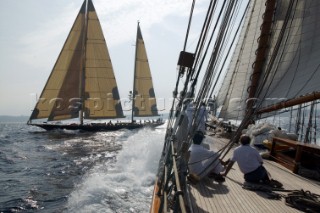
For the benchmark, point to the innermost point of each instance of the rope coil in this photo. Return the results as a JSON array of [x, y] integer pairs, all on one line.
[[304, 201]]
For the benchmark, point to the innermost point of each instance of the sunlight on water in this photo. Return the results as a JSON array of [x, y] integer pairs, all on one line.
[[125, 184]]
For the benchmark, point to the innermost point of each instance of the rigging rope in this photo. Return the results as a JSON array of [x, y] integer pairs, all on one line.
[[218, 49], [229, 50], [189, 24], [302, 125], [308, 136], [225, 29], [283, 38], [228, 80], [315, 124], [192, 74], [290, 120], [298, 119]]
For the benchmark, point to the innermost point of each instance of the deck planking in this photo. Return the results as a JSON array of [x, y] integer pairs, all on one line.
[[229, 197]]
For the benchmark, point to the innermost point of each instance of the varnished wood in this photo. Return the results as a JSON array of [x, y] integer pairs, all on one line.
[[292, 163], [155, 205], [292, 102]]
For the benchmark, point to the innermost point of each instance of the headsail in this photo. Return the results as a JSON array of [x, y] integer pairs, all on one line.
[[82, 80], [233, 92], [144, 99]]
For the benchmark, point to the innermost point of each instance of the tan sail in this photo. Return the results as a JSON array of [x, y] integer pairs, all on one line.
[[82, 78], [102, 98], [144, 99]]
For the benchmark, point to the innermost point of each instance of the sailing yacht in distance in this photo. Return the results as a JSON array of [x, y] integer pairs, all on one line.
[[82, 83], [142, 83]]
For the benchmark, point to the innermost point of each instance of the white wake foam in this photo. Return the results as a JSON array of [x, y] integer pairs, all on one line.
[[124, 185]]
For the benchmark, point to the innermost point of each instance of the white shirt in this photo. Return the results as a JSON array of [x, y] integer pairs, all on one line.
[[247, 157], [200, 158]]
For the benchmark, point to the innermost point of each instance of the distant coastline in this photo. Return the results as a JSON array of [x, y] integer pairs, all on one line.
[[11, 118]]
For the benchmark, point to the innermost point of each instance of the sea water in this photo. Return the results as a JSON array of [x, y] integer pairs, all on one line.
[[72, 171]]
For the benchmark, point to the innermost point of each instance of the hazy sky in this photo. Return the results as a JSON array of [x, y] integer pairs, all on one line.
[[34, 31]]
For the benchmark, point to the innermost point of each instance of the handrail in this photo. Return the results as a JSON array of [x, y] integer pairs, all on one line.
[[179, 191], [293, 162], [165, 202], [169, 191]]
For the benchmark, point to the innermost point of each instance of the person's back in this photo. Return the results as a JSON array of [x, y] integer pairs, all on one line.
[[201, 160], [249, 161], [247, 157]]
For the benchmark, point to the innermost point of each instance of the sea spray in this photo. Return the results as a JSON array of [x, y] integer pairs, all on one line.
[[125, 184]]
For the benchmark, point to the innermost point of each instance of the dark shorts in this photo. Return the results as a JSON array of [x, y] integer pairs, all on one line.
[[257, 176]]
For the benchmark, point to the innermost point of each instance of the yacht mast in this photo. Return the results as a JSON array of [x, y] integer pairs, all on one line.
[[83, 61], [134, 76]]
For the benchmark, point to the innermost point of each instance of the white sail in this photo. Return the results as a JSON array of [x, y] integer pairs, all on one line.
[[292, 67], [233, 92]]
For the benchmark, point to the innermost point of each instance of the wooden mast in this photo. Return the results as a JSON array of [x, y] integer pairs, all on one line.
[[261, 53], [257, 66]]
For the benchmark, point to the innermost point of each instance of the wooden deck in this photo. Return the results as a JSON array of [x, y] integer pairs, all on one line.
[[210, 196]]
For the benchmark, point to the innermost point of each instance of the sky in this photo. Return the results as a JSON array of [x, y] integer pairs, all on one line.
[[34, 31]]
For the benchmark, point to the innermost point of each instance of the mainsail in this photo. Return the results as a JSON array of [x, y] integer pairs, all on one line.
[[82, 82], [289, 64], [292, 67], [144, 100], [284, 65]]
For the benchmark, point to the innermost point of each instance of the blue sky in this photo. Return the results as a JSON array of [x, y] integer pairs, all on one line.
[[34, 31]]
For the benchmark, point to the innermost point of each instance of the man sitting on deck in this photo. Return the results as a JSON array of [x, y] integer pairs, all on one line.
[[249, 161], [203, 162]]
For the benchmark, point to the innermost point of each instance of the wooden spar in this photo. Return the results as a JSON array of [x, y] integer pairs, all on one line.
[[261, 51], [292, 102], [155, 205]]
